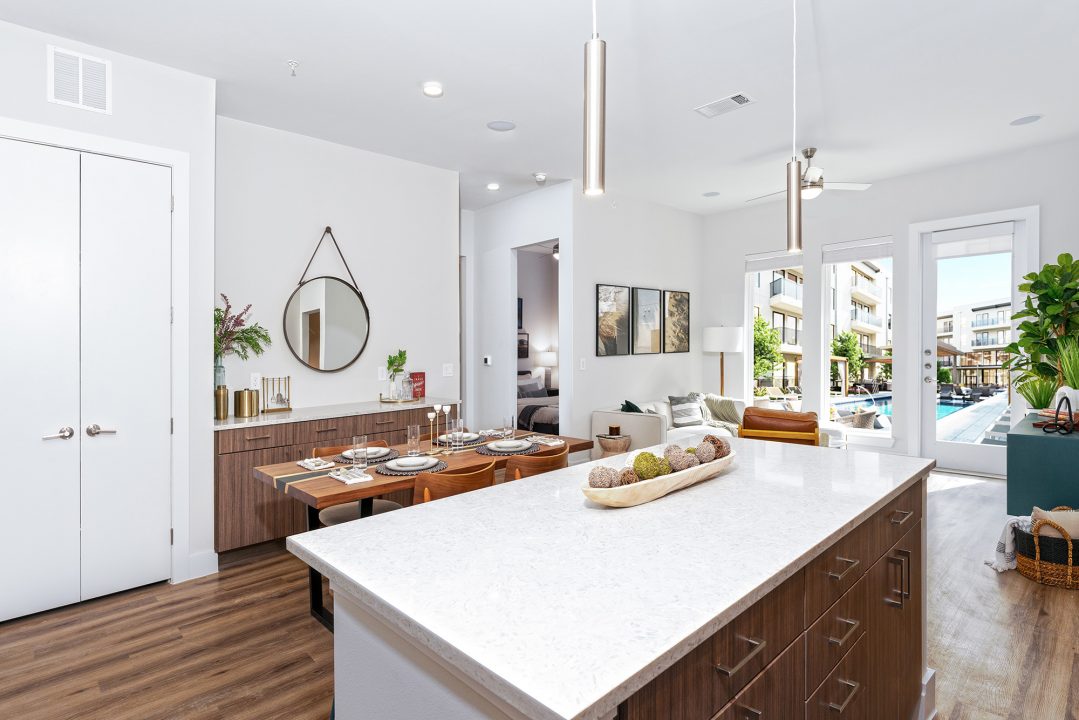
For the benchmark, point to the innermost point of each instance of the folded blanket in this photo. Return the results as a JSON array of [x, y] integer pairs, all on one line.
[[1004, 558], [724, 413]]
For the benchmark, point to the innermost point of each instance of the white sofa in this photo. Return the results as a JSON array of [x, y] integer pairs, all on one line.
[[653, 426]]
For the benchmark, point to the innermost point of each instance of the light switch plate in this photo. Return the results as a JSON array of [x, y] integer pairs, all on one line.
[[382, 374], [582, 363], [447, 369]]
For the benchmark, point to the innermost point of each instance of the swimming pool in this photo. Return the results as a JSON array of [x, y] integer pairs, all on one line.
[[884, 406]]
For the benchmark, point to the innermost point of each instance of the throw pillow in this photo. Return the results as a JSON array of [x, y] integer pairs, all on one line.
[[1067, 519], [685, 410], [706, 414], [723, 409], [627, 406], [542, 392], [529, 384]]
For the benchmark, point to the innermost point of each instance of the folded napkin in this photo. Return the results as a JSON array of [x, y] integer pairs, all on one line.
[[1004, 558], [315, 464], [350, 476], [545, 440]]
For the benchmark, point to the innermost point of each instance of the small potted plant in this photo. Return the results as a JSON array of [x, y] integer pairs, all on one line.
[[232, 335], [395, 365]]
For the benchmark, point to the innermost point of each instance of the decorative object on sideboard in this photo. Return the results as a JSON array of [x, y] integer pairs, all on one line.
[[419, 385], [221, 402], [395, 367], [722, 340], [233, 335], [277, 394], [246, 403], [612, 320], [675, 321], [647, 321], [326, 320]]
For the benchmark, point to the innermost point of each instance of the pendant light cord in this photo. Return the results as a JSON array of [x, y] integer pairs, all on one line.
[[595, 33], [794, 78]]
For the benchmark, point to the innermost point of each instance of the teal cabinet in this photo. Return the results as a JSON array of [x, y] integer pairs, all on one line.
[[1043, 468]]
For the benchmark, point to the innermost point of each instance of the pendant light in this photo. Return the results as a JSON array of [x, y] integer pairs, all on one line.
[[794, 167], [595, 108]]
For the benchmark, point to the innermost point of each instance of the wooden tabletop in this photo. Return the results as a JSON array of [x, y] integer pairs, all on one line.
[[318, 490]]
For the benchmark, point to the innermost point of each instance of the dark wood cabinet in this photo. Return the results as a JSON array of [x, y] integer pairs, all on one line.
[[247, 511], [842, 638]]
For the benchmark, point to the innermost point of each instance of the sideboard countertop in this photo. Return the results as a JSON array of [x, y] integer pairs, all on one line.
[[323, 412]]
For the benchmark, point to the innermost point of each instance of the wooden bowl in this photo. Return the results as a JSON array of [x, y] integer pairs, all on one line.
[[648, 490]]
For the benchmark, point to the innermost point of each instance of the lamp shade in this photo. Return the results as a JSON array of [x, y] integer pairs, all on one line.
[[722, 339], [547, 358]]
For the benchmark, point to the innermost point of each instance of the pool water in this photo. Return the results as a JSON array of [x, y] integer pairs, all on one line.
[[884, 406]]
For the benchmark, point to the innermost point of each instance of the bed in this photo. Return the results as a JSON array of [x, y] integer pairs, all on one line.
[[537, 409]]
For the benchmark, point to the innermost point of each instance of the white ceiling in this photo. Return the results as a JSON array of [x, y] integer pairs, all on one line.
[[885, 89]]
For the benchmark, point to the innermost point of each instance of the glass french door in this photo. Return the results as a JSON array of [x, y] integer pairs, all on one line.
[[966, 399]]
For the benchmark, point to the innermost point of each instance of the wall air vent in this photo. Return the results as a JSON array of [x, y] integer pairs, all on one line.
[[724, 105], [79, 81]]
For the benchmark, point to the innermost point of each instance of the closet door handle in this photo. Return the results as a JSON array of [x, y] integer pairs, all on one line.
[[757, 644], [66, 433], [95, 430]]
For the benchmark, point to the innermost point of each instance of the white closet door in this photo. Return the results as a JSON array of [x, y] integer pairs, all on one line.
[[39, 361], [126, 336]]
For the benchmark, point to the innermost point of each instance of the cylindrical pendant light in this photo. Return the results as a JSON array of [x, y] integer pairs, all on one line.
[[794, 206], [595, 110]]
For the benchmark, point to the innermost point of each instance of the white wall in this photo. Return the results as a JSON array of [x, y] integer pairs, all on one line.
[[1037, 176], [161, 107], [537, 286], [397, 223]]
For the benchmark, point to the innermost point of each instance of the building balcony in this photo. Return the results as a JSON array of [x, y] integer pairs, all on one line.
[[990, 323], [989, 343], [865, 291], [790, 341], [865, 322], [872, 351], [786, 295]]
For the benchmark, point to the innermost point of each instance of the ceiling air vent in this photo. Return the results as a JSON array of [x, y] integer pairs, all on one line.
[[79, 81], [724, 105]]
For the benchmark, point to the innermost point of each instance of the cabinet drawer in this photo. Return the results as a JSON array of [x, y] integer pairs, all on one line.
[[745, 646], [837, 569], [254, 438], [322, 433], [776, 694], [897, 517], [833, 635], [844, 693]]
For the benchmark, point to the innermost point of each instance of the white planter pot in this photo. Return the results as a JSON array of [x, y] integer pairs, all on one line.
[[1069, 392]]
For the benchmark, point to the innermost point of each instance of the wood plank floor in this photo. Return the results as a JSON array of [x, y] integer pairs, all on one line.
[[241, 644]]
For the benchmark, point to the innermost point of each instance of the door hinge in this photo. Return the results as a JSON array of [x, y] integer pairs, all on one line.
[[172, 203], [172, 314], [171, 536], [172, 426]]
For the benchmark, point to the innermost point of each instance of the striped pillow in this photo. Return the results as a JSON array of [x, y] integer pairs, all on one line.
[[686, 411]]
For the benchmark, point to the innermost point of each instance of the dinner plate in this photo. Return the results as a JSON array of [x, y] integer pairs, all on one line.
[[508, 445], [465, 437], [372, 452], [412, 463]]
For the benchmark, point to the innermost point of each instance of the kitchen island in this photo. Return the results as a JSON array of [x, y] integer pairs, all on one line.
[[791, 585]]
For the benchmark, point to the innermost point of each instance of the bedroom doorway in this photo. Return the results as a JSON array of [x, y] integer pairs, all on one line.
[[537, 338]]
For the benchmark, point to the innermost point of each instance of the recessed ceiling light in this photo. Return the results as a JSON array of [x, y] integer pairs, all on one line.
[[493, 186], [432, 89], [540, 177], [710, 193], [1026, 120], [501, 125]]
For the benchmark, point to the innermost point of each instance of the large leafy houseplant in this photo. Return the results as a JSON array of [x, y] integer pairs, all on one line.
[[1050, 316]]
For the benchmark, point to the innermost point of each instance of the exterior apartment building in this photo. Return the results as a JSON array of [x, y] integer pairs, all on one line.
[[860, 301], [980, 332]]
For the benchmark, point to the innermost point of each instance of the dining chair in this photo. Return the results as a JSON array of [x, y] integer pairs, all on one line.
[[350, 511], [435, 486], [522, 466]]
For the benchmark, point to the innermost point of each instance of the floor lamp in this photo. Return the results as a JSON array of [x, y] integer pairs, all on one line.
[[722, 340]]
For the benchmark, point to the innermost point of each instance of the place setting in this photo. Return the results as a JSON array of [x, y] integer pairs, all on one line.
[[374, 455]]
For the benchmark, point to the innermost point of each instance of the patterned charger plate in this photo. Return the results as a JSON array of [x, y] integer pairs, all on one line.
[[487, 450], [439, 467], [370, 461]]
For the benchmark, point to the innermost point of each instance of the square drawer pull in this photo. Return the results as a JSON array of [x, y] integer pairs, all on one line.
[[851, 564], [854, 625], [756, 643], [854, 688], [906, 516]]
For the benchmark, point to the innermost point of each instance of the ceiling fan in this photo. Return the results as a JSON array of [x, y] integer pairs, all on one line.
[[813, 183]]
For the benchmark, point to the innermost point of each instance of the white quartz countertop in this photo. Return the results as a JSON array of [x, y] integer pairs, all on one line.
[[563, 608], [323, 412]]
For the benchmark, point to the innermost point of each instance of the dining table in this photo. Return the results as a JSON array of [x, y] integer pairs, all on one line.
[[318, 491]]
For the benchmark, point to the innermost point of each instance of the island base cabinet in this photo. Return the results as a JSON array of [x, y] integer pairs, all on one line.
[[895, 641], [845, 692]]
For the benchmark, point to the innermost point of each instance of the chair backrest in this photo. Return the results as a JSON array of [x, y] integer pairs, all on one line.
[[433, 486], [332, 450], [800, 428], [522, 466]]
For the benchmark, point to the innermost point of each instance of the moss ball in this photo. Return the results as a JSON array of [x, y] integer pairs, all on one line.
[[648, 466], [705, 452], [723, 448], [627, 477], [602, 476]]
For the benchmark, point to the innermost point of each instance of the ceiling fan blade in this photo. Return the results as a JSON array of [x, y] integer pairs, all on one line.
[[829, 185], [769, 195]]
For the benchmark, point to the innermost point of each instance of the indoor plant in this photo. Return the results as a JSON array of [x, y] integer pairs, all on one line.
[[233, 335], [395, 365]]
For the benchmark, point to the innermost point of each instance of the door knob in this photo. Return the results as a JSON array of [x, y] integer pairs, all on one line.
[[95, 430], [65, 433], [927, 380]]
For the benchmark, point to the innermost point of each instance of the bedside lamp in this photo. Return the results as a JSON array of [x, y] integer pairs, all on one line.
[[722, 340], [547, 359]]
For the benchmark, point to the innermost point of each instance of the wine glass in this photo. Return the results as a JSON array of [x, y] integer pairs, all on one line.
[[507, 426]]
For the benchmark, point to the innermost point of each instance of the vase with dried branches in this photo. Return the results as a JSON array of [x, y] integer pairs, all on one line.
[[233, 335]]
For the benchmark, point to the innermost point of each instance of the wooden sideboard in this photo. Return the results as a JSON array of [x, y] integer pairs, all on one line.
[[841, 638], [246, 511]]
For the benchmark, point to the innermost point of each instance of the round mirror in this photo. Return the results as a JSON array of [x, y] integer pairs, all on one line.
[[326, 324]]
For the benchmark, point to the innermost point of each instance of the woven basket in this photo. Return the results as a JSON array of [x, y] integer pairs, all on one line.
[[1047, 560]]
